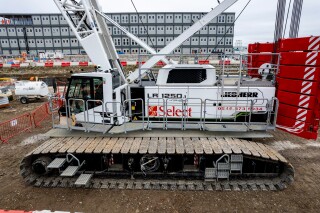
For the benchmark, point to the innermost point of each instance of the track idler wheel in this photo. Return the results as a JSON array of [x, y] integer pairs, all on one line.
[[149, 163], [39, 166]]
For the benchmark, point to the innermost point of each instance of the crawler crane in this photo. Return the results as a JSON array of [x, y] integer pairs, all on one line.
[[158, 132]]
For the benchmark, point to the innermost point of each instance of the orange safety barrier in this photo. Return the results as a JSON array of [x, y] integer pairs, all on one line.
[[1, 65], [40, 114], [56, 103], [124, 63], [15, 126]]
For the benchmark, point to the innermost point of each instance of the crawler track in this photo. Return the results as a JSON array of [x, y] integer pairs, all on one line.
[[209, 147]]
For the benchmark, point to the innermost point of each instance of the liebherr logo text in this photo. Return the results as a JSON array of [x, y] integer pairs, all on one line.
[[165, 95], [241, 94]]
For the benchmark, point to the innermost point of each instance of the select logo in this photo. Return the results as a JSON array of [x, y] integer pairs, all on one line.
[[172, 111]]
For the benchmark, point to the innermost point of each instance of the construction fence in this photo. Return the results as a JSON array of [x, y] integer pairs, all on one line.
[[24, 122]]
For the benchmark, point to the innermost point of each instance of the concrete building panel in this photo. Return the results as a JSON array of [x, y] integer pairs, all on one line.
[[36, 20], [3, 31], [54, 19]]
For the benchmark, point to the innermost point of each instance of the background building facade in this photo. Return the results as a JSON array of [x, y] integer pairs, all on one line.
[[35, 33]]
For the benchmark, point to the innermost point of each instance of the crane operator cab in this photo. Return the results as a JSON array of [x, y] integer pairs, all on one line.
[[86, 96]]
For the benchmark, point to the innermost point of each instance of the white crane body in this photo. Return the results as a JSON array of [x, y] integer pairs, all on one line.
[[181, 91]]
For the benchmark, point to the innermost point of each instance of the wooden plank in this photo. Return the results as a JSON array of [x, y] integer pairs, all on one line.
[[93, 145], [109, 146], [144, 145], [268, 152], [277, 154], [55, 142], [84, 145], [162, 145], [234, 147], [215, 146], [134, 149], [60, 145], [171, 145], [179, 146], [188, 145], [153, 146], [206, 145], [76, 145], [117, 147], [243, 148], [197, 145], [253, 151], [42, 146], [101, 145], [224, 146], [263, 153], [126, 146], [68, 145]]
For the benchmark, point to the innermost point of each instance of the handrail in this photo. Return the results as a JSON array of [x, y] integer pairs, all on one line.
[[52, 109], [148, 107], [251, 104], [113, 114], [166, 111]]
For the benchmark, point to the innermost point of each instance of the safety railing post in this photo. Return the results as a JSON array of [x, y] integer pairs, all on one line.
[[204, 113], [250, 114]]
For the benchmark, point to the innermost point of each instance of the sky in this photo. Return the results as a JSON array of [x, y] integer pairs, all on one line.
[[256, 24]]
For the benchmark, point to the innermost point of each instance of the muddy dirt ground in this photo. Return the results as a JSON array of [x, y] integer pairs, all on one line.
[[302, 196], [16, 108]]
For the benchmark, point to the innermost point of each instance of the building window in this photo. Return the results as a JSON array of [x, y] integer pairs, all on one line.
[[221, 19], [229, 19], [230, 30], [220, 30]]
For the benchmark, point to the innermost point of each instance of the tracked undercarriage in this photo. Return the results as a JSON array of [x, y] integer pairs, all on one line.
[[156, 163]]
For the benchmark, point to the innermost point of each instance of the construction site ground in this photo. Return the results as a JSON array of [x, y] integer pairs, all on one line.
[[16, 108], [302, 196]]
